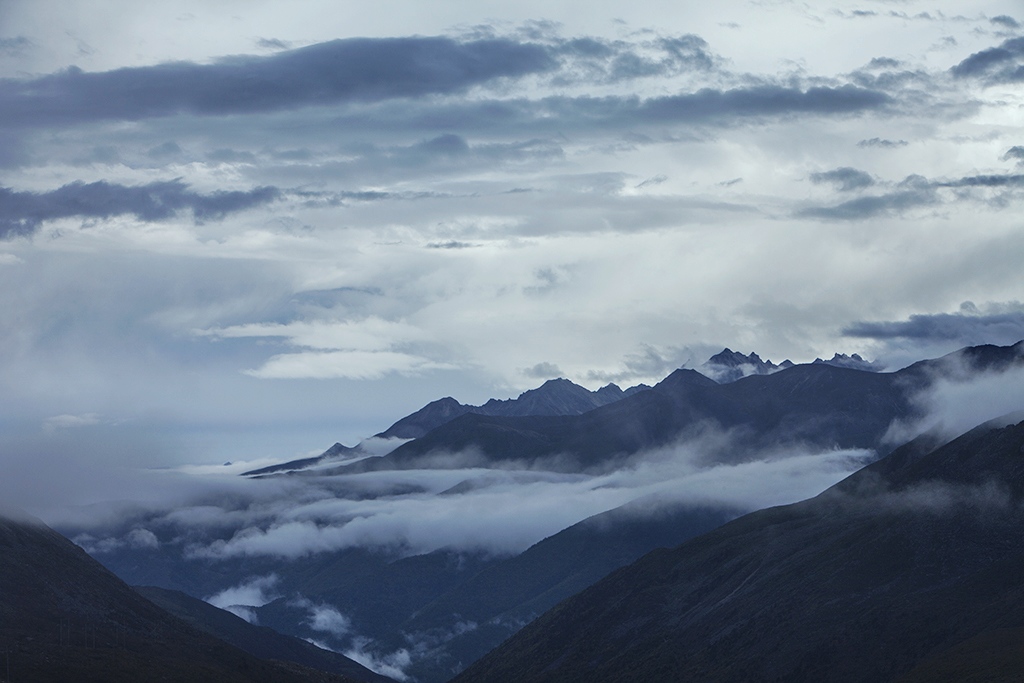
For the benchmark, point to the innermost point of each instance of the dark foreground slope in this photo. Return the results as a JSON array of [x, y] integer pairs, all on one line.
[[63, 617], [258, 641], [915, 561]]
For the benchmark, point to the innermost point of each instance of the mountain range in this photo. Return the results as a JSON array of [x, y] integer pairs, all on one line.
[[817, 404], [449, 607]]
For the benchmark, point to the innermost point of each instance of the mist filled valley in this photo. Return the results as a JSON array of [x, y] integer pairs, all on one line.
[[416, 561]]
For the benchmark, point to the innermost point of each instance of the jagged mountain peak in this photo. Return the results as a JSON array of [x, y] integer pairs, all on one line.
[[729, 366], [853, 361]]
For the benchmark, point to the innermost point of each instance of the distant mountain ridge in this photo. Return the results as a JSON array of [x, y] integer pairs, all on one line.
[[554, 397], [819, 405]]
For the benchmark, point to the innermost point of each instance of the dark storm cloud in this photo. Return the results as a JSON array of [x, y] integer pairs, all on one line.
[[350, 70], [22, 213], [997, 64], [845, 179], [967, 327]]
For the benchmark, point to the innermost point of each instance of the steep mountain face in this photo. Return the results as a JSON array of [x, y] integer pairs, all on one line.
[[554, 397], [914, 561], [64, 617], [819, 405]]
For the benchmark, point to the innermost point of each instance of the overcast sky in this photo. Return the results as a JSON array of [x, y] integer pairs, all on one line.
[[250, 229]]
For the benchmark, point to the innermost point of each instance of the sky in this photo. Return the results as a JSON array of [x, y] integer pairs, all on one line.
[[247, 230]]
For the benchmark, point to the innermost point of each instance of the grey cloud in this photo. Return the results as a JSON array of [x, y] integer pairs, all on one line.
[[707, 106], [1005, 21], [844, 178], [883, 143], [652, 181], [763, 100], [1015, 152], [960, 400], [22, 213], [273, 44], [450, 244], [231, 156], [996, 64], [913, 192], [681, 53], [445, 154], [167, 149], [648, 362], [884, 63], [994, 180], [544, 371], [14, 46], [913, 196], [339, 71], [966, 327]]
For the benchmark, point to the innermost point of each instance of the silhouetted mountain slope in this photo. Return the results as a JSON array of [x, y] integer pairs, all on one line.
[[259, 641], [901, 562], [817, 404], [554, 397], [64, 617]]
